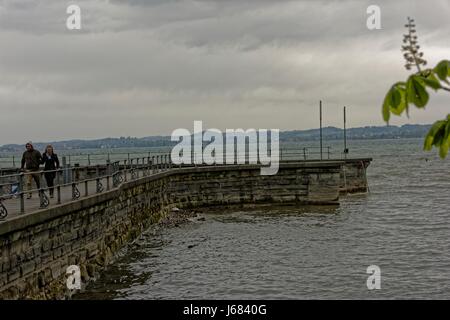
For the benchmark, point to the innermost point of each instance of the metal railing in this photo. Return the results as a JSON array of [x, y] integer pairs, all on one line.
[[89, 159], [74, 182]]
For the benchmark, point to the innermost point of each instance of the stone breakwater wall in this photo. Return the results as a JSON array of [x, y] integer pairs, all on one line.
[[37, 248]]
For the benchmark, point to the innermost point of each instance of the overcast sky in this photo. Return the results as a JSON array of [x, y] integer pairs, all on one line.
[[140, 68]]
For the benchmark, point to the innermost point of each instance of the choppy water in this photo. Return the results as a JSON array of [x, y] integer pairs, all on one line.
[[402, 225]]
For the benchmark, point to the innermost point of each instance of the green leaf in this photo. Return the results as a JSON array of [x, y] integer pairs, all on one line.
[[395, 101], [398, 104], [443, 70], [447, 128], [432, 136], [443, 149], [416, 92], [431, 81]]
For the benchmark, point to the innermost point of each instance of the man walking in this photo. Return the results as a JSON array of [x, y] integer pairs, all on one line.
[[31, 159]]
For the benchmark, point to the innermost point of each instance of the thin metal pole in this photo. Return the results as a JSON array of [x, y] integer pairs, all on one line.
[[345, 133], [320, 109]]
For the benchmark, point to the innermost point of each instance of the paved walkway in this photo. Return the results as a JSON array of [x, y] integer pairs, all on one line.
[[32, 205]]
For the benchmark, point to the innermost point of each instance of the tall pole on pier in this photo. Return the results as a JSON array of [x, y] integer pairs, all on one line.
[[345, 133], [320, 109]]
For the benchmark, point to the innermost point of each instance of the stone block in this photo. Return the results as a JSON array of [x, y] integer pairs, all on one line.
[[27, 267], [13, 275]]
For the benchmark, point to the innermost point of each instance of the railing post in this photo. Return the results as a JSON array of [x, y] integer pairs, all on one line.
[[108, 173], [76, 172], [149, 166], [43, 200], [99, 187], [86, 182], [58, 186], [64, 172], [75, 194], [137, 168], [153, 164], [125, 171], [14, 162], [21, 193]]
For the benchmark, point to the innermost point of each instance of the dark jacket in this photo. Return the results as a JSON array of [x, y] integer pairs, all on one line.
[[31, 160], [50, 162]]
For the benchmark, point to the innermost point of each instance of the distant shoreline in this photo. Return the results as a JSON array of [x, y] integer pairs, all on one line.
[[292, 136]]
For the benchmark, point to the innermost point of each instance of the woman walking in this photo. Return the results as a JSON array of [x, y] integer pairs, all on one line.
[[51, 163]]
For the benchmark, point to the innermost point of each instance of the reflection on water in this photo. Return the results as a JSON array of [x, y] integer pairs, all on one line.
[[402, 225]]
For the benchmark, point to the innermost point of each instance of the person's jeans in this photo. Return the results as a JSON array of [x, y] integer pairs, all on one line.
[[33, 175], [50, 179]]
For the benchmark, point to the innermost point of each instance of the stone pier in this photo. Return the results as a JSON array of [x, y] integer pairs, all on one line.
[[36, 248]]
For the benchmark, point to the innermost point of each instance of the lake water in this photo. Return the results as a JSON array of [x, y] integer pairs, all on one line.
[[402, 226]]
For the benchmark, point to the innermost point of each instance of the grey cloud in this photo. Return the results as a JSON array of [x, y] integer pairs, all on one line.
[[148, 67]]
